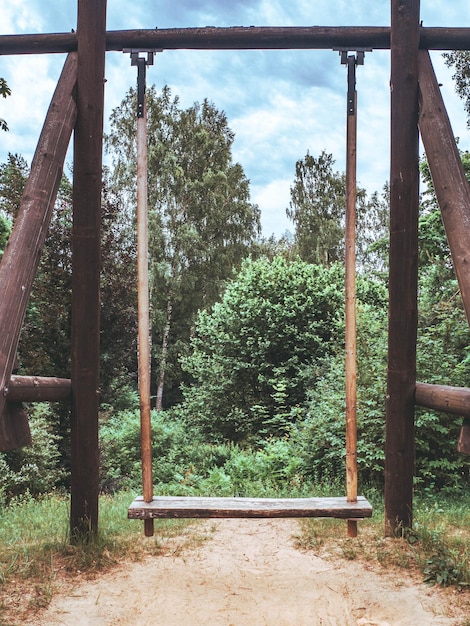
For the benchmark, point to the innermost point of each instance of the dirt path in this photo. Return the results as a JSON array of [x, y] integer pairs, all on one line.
[[248, 573]]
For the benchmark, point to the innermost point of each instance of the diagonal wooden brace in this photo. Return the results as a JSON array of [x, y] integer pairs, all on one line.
[[21, 257]]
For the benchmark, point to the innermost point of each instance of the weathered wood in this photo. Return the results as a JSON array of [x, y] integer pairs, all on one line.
[[38, 389], [260, 37], [463, 445], [444, 38], [21, 257], [182, 507], [86, 262], [15, 419], [350, 309], [453, 400], [450, 183], [403, 269], [143, 297]]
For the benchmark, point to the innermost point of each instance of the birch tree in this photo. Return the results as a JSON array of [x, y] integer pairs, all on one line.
[[201, 221]]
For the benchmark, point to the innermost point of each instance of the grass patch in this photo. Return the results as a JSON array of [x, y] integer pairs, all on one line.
[[35, 553], [36, 557], [438, 546]]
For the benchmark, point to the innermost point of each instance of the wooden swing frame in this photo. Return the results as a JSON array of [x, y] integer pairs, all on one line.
[[82, 105]]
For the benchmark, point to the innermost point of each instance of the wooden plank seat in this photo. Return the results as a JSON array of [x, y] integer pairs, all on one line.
[[200, 507]]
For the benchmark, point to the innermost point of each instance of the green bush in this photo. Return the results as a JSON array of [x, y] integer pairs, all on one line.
[[34, 469], [321, 437], [249, 352], [179, 453], [185, 464]]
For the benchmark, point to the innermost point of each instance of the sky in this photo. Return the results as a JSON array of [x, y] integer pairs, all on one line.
[[280, 104]]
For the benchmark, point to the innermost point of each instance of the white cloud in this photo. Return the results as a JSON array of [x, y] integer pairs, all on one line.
[[273, 199], [32, 80], [280, 104], [20, 17]]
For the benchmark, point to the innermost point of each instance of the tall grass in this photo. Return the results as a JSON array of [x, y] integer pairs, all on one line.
[[438, 545], [35, 549]]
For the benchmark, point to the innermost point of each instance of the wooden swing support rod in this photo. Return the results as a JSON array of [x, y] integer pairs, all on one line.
[[143, 288], [350, 60]]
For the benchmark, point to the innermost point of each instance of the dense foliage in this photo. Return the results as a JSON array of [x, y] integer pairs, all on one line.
[[248, 334], [249, 352], [201, 221]]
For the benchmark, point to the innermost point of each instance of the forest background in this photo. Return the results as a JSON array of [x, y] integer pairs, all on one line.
[[247, 332]]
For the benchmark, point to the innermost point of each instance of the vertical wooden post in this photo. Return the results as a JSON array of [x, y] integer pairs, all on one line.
[[143, 296], [403, 272], [350, 270], [88, 139]]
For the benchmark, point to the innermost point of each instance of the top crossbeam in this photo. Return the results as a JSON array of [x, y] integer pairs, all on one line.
[[239, 38]]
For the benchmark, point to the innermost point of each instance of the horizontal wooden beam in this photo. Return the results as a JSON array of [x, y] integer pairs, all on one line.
[[453, 400], [239, 38], [183, 507], [38, 389]]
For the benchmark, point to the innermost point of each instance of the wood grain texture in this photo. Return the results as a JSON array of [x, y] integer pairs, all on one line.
[[38, 389], [450, 183], [86, 263], [309, 37], [403, 266], [453, 400], [196, 507]]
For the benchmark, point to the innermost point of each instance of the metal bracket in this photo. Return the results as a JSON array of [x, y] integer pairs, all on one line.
[[141, 63], [352, 60]]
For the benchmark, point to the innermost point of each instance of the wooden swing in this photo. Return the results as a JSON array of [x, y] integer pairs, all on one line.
[[149, 507]]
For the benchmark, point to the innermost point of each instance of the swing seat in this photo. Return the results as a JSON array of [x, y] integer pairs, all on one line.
[[171, 507]]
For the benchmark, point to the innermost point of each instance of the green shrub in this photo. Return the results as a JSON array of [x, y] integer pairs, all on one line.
[[178, 452], [185, 464], [321, 437], [34, 469], [249, 351]]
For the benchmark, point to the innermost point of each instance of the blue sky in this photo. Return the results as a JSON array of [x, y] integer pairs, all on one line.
[[280, 104]]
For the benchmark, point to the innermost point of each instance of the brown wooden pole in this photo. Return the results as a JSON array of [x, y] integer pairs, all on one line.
[[403, 271], [38, 389], [208, 38], [350, 307], [463, 445], [143, 296], [21, 257], [86, 268], [450, 183], [233, 38]]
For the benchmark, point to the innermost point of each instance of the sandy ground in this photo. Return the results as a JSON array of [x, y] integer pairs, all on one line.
[[247, 573]]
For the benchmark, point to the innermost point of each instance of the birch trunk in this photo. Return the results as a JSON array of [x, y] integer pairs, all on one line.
[[163, 358]]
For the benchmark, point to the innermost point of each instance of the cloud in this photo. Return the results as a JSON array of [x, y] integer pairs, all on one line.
[[32, 80], [17, 17], [279, 103], [274, 198]]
